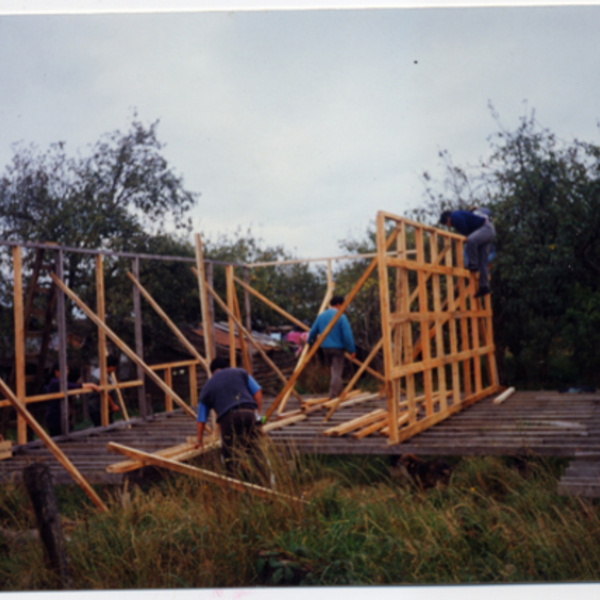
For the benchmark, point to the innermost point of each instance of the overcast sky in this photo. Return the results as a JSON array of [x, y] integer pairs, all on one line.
[[301, 124]]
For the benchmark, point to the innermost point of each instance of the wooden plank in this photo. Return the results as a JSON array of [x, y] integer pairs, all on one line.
[[53, 447], [230, 291], [139, 337], [425, 340], [198, 473], [356, 423], [504, 395], [206, 325], [464, 326], [178, 453], [384, 300], [123, 346], [169, 383], [161, 313], [238, 315], [102, 351], [439, 339], [453, 332], [120, 398], [19, 340]]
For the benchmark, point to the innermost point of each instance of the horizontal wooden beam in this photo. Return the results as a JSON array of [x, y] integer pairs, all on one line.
[[418, 367], [77, 392]]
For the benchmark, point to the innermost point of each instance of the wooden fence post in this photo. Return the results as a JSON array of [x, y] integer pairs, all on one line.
[[38, 481]]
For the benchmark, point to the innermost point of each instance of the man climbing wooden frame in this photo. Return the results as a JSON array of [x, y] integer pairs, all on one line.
[[434, 310]]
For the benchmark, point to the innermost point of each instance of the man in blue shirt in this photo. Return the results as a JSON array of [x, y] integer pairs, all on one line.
[[236, 398], [480, 234], [339, 339]]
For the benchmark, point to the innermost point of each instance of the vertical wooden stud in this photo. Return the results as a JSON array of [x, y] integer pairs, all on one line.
[[206, 325], [384, 298], [169, 382], [230, 306], [452, 325], [193, 379], [62, 342], [464, 326], [19, 341], [424, 324], [439, 338], [211, 312], [102, 351], [248, 315], [139, 339]]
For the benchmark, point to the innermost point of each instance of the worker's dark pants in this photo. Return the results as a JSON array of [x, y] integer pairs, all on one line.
[[478, 250], [335, 357], [240, 435]]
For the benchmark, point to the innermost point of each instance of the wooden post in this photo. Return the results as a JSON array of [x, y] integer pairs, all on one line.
[[384, 298], [211, 308], [424, 325], [19, 340], [437, 308], [51, 445], [120, 398], [243, 347], [248, 315], [38, 481], [193, 382], [102, 352], [122, 345], [230, 293], [62, 343], [169, 382], [139, 339], [206, 326]]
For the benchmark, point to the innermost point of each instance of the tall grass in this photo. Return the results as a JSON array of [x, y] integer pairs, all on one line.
[[492, 523]]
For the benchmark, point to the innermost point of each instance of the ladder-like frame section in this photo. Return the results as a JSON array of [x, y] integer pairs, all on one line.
[[438, 341]]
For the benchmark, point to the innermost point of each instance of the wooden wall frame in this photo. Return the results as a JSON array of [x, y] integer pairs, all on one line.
[[437, 338]]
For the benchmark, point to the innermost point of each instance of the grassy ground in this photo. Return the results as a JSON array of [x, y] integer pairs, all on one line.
[[494, 522]]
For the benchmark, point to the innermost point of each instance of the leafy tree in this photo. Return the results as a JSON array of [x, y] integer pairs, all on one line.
[[118, 194], [545, 198]]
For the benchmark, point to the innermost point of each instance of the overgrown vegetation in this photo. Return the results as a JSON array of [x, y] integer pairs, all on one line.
[[497, 521]]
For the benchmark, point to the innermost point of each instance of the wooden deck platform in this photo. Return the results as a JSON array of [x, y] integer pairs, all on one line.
[[543, 423]]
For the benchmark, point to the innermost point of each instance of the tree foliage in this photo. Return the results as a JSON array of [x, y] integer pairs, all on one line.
[[544, 194]]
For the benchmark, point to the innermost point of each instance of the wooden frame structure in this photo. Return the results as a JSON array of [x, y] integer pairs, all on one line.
[[437, 339], [438, 343]]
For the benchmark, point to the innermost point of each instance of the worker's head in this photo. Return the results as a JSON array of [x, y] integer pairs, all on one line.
[[56, 370], [445, 218], [336, 301], [112, 362], [218, 363]]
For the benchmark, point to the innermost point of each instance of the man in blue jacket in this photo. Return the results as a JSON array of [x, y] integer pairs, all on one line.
[[339, 339], [480, 234], [236, 398]]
